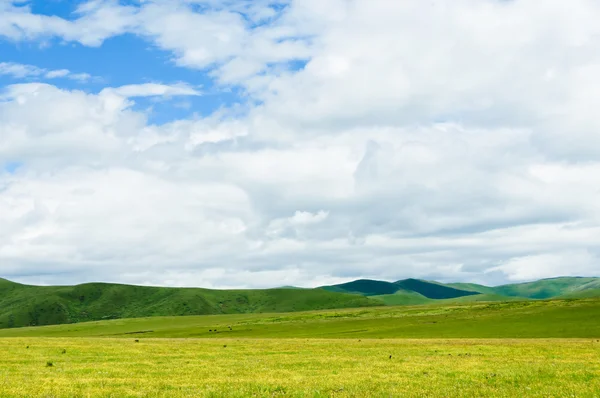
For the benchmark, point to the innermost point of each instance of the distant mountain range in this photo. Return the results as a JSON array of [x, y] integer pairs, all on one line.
[[416, 291], [25, 305]]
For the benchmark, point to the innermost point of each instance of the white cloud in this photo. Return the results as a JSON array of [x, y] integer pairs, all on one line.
[[295, 224], [153, 89], [21, 71], [57, 73], [447, 140], [82, 77], [97, 20], [307, 218], [568, 263]]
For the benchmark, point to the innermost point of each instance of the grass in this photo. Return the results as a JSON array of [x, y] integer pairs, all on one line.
[[499, 349], [517, 319], [590, 293], [541, 289], [298, 368], [23, 305], [402, 297], [413, 298]]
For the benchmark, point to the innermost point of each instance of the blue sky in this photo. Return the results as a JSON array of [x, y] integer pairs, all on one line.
[[235, 143], [121, 60]]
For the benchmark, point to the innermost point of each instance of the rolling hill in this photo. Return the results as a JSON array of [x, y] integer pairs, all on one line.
[[433, 290], [426, 289], [541, 289], [516, 319], [403, 297], [24, 305], [417, 291], [365, 287], [588, 293]]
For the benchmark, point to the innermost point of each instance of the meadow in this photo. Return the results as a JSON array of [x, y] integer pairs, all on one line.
[[547, 348], [109, 367], [513, 319]]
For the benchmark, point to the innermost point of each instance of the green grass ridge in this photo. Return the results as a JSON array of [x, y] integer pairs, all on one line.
[[25, 305], [573, 318]]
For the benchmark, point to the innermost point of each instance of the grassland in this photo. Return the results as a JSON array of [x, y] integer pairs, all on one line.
[[547, 348], [298, 367], [24, 305], [455, 345], [517, 319], [541, 289]]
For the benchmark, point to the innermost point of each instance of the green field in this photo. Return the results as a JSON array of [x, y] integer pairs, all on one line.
[[25, 305], [542, 289], [465, 346], [515, 319], [502, 349], [298, 367]]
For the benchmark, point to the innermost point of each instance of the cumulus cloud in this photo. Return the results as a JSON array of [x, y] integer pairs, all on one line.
[[95, 21], [453, 140], [296, 223]]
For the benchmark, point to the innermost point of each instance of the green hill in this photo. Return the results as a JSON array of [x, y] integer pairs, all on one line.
[[368, 287], [473, 287], [483, 298], [541, 289], [398, 293], [588, 293], [432, 290], [516, 319], [365, 287], [402, 297], [24, 305], [546, 288]]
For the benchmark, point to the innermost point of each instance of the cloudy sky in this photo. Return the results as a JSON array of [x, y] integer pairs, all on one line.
[[238, 143]]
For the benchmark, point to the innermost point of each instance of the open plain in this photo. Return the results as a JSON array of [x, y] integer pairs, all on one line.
[[511, 349]]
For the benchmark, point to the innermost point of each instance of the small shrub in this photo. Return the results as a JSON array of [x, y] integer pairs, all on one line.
[[49, 364], [64, 351]]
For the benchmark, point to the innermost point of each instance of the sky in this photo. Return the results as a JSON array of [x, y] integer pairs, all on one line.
[[250, 144]]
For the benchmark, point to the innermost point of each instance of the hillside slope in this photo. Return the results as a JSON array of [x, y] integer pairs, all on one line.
[[365, 287], [581, 294], [547, 288], [541, 289], [402, 297], [473, 287], [430, 290], [23, 305], [517, 319], [482, 298]]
